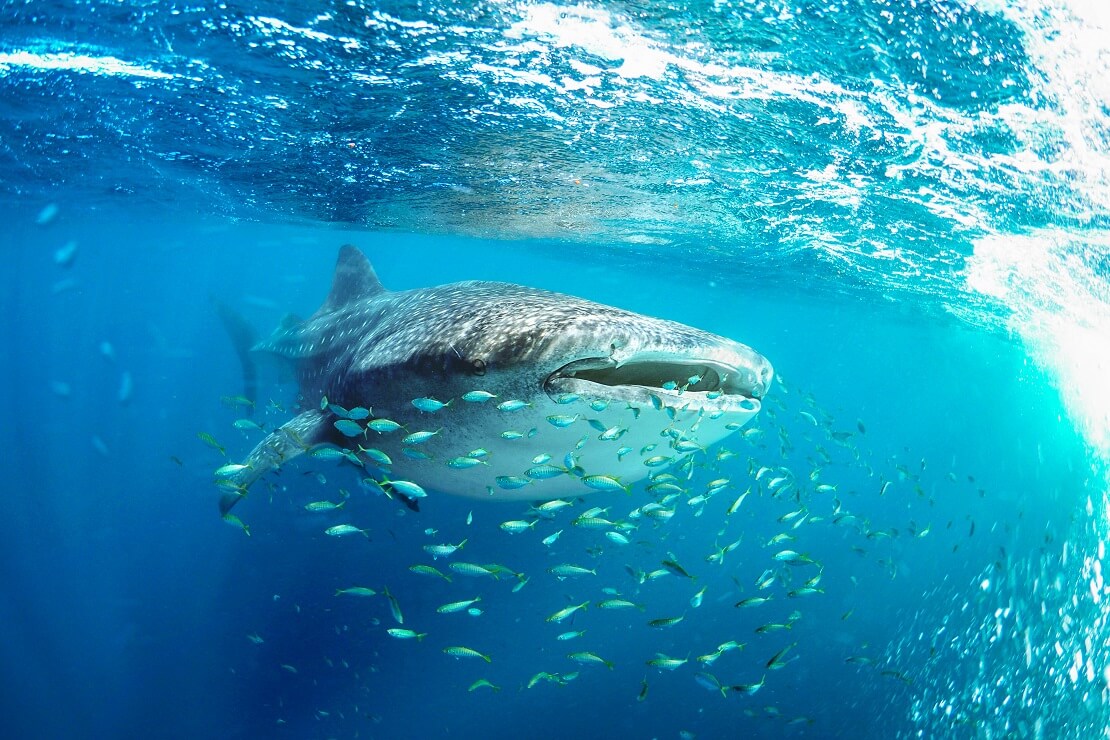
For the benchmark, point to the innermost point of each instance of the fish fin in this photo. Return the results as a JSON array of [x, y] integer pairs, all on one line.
[[291, 439], [354, 280], [242, 336]]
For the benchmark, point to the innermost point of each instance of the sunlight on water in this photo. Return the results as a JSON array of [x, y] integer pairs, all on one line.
[[102, 65], [1061, 309], [1054, 279]]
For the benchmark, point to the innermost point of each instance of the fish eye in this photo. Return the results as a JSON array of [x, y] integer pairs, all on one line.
[[478, 367]]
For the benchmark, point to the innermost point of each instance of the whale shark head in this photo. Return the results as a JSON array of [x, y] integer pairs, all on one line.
[[652, 359], [526, 375], [544, 348]]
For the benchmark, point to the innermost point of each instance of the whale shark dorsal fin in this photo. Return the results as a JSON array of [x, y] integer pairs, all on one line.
[[289, 321], [354, 280]]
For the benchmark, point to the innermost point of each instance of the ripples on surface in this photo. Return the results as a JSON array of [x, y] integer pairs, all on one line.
[[868, 147]]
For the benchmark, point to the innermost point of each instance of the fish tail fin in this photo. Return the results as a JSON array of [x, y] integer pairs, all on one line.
[[242, 337]]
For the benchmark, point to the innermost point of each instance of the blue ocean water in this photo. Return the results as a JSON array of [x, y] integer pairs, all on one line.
[[903, 205]]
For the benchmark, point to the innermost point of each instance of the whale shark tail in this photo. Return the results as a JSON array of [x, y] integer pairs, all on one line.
[[243, 338]]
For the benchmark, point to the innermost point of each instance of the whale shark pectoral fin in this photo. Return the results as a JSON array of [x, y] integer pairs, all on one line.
[[291, 439], [354, 280]]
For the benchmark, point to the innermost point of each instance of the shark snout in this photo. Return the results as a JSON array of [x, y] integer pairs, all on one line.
[[753, 371]]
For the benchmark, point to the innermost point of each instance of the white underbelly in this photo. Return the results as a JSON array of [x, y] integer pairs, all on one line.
[[619, 445]]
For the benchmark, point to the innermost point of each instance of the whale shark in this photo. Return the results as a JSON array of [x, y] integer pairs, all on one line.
[[498, 391]]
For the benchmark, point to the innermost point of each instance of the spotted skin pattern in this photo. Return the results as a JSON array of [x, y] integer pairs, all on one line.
[[370, 347]]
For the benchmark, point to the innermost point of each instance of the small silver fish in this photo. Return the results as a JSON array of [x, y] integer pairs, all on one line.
[[545, 471], [394, 606], [458, 606], [605, 483], [405, 634], [356, 591], [513, 405], [571, 635], [696, 599], [417, 438], [377, 456], [465, 463], [563, 614], [383, 426], [511, 482], [429, 405], [406, 488], [343, 530], [323, 506], [443, 551], [349, 428], [563, 421], [465, 652]]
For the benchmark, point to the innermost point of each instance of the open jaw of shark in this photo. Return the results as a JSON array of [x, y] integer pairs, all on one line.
[[547, 395]]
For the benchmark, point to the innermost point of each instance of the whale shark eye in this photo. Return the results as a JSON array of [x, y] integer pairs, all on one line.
[[478, 367]]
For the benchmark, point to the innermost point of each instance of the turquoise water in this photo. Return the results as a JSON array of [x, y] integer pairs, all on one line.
[[902, 205]]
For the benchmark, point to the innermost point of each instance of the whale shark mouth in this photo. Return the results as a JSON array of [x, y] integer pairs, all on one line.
[[674, 380]]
